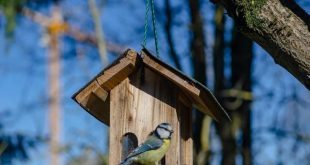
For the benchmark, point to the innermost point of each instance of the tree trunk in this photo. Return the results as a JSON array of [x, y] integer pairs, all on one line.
[[54, 100], [199, 64], [237, 104], [198, 42], [168, 32], [241, 62], [281, 27], [229, 147], [218, 50], [99, 32], [54, 86]]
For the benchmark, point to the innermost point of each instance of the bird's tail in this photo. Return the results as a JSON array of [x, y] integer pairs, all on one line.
[[127, 161]]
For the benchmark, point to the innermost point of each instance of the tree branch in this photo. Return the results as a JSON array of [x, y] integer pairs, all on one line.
[[199, 63], [281, 27], [99, 33], [43, 20]]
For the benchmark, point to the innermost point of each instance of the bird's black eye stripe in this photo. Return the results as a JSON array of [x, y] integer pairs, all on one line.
[[164, 128]]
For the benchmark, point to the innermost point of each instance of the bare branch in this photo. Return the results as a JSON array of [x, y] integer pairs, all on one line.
[[72, 32], [99, 33]]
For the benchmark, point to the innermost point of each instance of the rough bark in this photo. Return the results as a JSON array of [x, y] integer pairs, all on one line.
[[281, 27]]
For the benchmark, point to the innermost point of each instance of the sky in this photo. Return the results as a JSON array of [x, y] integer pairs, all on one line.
[[23, 85]]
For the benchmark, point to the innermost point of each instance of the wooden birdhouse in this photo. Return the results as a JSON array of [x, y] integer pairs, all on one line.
[[136, 93]]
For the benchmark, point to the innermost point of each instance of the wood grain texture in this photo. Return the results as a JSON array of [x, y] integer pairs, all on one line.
[[118, 72], [198, 94], [185, 116], [92, 97], [138, 105], [136, 93], [169, 74], [128, 63], [95, 101], [93, 87], [110, 76]]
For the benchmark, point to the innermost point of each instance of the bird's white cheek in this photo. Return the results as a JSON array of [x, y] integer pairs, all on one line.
[[166, 134]]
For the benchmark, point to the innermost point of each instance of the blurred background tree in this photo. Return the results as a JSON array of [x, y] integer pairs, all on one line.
[[268, 107]]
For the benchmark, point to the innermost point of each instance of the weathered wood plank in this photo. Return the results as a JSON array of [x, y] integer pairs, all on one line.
[[101, 93], [94, 100], [97, 108], [117, 73], [129, 62], [200, 97], [185, 117], [92, 96], [138, 105], [84, 94], [182, 83]]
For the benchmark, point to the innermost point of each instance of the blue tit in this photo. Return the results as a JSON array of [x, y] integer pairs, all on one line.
[[153, 149]]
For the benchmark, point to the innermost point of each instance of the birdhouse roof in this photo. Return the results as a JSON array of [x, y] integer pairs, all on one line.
[[93, 96]]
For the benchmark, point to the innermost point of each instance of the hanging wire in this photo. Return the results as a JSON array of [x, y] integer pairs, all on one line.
[[146, 22], [154, 25]]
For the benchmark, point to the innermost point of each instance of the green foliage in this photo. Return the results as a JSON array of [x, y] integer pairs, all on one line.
[[15, 147], [10, 8], [250, 9], [89, 156]]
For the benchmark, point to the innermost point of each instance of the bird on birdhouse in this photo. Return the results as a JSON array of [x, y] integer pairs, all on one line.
[[153, 149]]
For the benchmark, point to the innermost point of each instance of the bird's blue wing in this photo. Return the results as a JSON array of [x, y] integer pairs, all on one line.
[[152, 143]]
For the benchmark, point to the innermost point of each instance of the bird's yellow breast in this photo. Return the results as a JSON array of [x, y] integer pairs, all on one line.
[[153, 156]]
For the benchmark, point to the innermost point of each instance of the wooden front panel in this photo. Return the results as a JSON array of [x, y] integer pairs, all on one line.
[[138, 105], [185, 116]]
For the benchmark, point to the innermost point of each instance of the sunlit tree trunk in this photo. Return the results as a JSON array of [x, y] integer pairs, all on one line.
[[54, 87], [101, 44]]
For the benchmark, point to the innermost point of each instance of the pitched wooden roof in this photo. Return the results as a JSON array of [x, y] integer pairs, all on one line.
[[92, 97]]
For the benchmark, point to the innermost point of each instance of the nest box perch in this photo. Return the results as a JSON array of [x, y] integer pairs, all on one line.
[[136, 93]]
